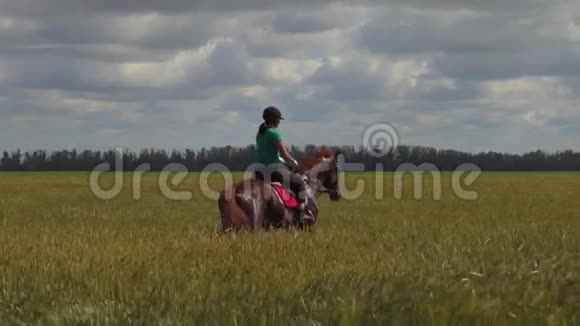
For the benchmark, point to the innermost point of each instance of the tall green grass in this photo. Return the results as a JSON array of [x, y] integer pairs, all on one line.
[[512, 257]]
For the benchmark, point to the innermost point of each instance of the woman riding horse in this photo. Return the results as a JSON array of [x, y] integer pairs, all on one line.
[[274, 159], [254, 204]]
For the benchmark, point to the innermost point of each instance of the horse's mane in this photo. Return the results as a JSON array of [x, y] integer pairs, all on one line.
[[313, 158]]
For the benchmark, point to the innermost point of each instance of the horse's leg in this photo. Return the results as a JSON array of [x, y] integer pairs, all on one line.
[[234, 211], [248, 206], [225, 214]]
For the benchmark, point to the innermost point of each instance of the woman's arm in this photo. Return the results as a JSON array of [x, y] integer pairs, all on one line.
[[285, 155]]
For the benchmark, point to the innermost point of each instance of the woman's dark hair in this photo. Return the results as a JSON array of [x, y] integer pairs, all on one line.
[[263, 128]]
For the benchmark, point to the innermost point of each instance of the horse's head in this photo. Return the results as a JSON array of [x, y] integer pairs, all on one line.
[[321, 166]]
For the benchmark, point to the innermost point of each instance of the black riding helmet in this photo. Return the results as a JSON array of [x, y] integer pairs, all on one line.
[[272, 114]]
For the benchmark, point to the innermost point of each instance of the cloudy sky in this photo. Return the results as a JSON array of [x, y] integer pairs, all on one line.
[[473, 75]]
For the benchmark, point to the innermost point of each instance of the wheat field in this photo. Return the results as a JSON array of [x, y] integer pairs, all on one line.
[[511, 257]]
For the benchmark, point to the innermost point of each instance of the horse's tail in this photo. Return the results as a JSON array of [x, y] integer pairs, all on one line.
[[233, 215]]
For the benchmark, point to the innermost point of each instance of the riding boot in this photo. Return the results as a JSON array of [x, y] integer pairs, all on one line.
[[301, 214]]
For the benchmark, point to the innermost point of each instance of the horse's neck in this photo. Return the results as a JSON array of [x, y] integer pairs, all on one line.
[[305, 168], [311, 182]]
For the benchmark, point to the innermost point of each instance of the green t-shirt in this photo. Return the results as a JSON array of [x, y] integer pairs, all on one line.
[[266, 150]]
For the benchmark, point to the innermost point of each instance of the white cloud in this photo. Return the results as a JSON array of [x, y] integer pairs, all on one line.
[[528, 88]]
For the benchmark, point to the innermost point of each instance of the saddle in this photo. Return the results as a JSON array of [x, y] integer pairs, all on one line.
[[287, 196]]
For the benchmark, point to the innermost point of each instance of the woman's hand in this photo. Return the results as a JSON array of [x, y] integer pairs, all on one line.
[[292, 163], [286, 156]]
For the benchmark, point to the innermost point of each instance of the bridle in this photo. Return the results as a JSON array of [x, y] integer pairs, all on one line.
[[319, 185], [320, 190]]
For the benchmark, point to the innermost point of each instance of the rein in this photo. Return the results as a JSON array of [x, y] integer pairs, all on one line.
[[320, 189], [316, 185]]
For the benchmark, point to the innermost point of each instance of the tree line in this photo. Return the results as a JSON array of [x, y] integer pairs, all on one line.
[[239, 158]]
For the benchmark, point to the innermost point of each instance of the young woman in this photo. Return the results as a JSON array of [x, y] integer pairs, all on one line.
[[272, 153]]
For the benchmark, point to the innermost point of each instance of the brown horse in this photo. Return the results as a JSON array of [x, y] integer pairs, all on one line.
[[254, 204]]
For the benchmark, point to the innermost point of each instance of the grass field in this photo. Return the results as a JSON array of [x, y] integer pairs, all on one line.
[[511, 257]]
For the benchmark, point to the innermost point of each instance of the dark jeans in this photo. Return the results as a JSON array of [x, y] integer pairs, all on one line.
[[287, 179]]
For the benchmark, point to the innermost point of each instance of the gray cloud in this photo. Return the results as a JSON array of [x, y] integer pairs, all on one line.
[[540, 62], [56, 74], [303, 22], [478, 45], [58, 7], [224, 66], [67, 7], [106, 37], [162, 32], [403, 32], [472, 75], [349, 82]]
